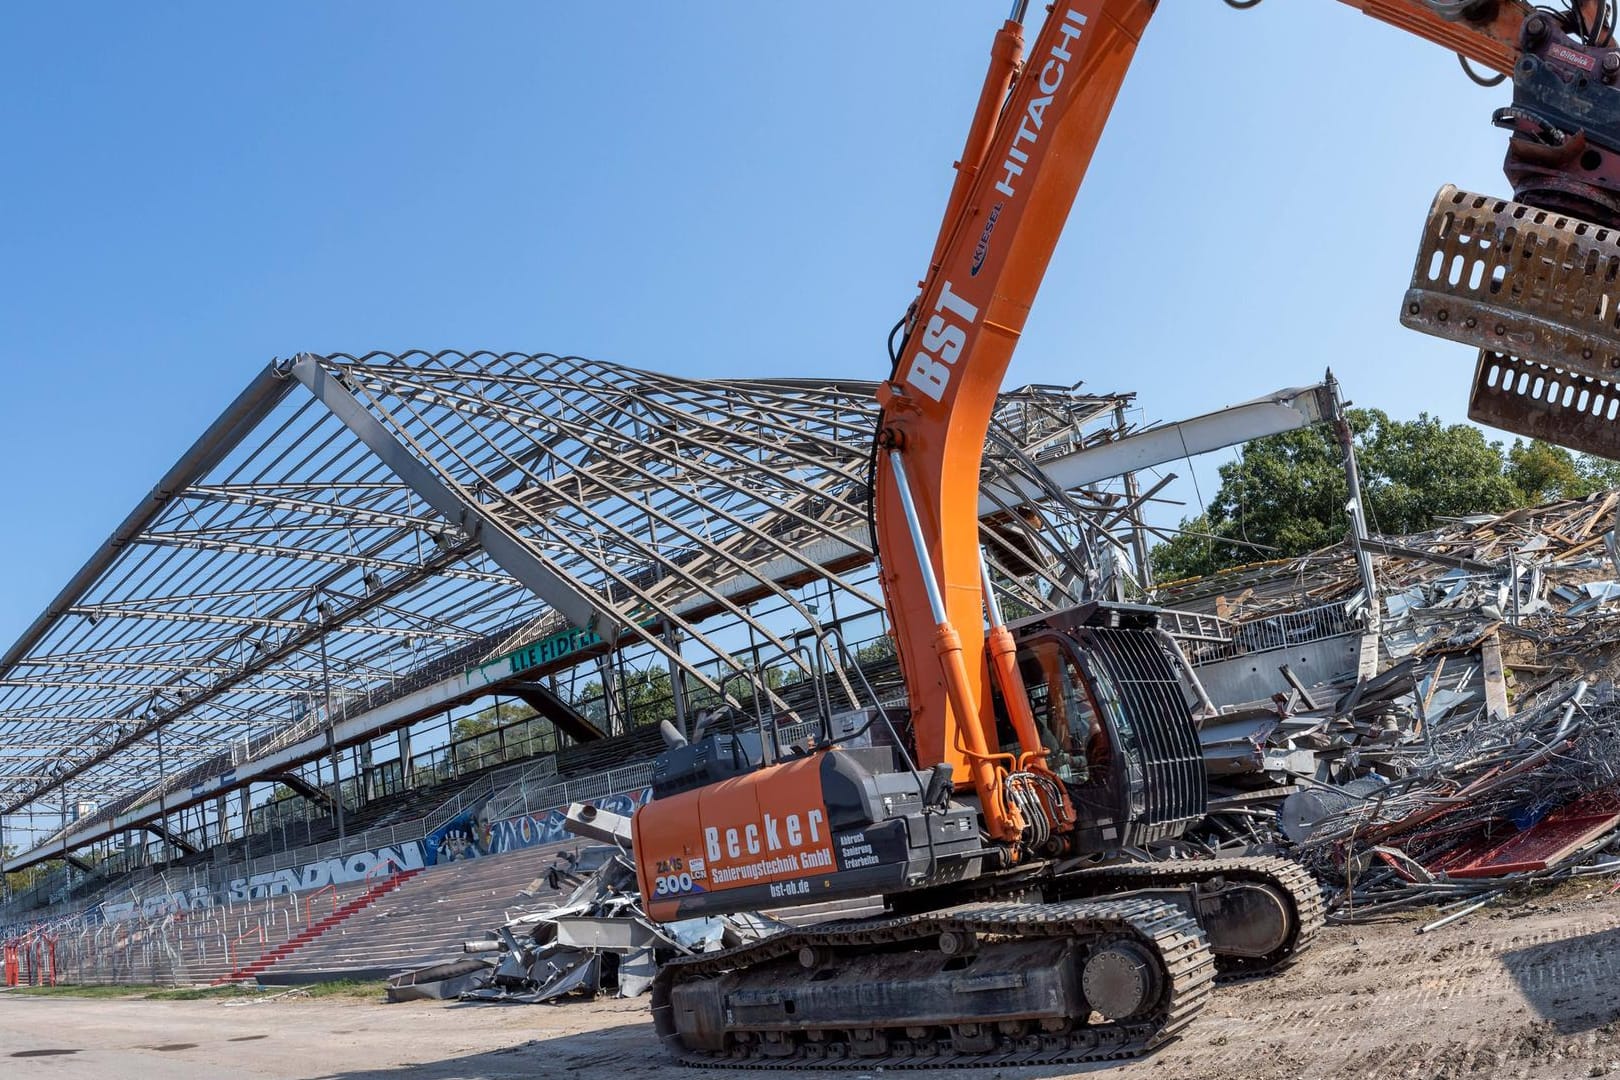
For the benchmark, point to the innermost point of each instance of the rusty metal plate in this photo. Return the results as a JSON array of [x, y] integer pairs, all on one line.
[[1503, 276], [1550, 841], [1546, 402]]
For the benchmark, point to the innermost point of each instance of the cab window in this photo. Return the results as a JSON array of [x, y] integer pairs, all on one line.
[[1065, 715]]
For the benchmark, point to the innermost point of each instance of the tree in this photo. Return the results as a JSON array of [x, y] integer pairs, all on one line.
[[1287, 494], [20, 881], [651, 697], [477, 737], [1543, 472], [484, 721], [648, 692], [875, 651]]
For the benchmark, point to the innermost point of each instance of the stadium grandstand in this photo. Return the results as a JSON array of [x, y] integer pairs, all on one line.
[[316, 704]]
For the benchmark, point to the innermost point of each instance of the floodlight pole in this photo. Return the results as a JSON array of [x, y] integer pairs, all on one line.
[[1358, 509]]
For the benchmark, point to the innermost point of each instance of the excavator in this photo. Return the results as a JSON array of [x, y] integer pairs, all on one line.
[[1004, 812]]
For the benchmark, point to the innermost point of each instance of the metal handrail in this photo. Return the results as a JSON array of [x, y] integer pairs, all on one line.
[[309, 902], [230, 954], [394, 870]]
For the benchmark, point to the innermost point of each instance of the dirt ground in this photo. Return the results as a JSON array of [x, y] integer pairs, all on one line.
[[1531, 991]]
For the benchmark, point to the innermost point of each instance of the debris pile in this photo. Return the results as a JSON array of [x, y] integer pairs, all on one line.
[[596, 939], [1481, 804], [1468, 742]]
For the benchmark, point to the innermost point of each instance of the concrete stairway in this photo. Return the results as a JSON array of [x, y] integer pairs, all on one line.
[[185, 947], [428, 917], [315, 929]]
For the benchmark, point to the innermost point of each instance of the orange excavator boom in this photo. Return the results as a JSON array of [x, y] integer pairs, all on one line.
[[1025, 156]]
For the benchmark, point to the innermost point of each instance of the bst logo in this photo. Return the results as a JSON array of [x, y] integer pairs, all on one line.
[[943, 337]]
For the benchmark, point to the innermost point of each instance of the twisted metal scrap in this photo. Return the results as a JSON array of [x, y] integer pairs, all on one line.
[[1374, 855]]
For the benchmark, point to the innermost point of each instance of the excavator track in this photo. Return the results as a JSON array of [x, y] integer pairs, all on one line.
[[1184, 974], [1287, 876]]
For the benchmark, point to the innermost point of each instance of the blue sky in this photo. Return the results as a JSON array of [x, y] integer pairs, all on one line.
[[708, 189]]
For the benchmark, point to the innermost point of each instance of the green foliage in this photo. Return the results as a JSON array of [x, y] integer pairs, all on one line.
[[1287, 494], [881, 648], [1544, 473], [74, 991], [370, 990], [509, 726], [648, 693], [487, 720], [363, 989], [21, 881], [650, 696]]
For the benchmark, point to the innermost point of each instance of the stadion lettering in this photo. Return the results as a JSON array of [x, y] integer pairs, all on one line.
[[343, 870]]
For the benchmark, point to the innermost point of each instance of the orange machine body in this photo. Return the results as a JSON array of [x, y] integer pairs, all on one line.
[[1028, 148], [1003, 220], [938, 404], [748, 833]]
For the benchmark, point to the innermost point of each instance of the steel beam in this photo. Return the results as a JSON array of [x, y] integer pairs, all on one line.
[[170, 837], [1285, 410], [563, 716], [251, 406], [509, 552], [312, 792]]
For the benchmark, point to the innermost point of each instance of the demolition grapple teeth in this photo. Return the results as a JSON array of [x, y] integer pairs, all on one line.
[[1538, 292], [1545, 402], [1511, 279]]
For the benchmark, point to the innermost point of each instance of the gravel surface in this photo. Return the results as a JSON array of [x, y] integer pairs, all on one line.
[[1530, 991]]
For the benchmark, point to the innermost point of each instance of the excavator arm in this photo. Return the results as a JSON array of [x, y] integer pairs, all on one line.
[[1069, 964], [1031, 140], [1487, 32]]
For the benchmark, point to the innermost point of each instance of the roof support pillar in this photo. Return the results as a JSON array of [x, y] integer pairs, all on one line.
[[563, 716]]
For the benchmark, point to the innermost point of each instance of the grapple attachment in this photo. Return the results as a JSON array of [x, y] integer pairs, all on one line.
[[1548, 403], [1538, 292]]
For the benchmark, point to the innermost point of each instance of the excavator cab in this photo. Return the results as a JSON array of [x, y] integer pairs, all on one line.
[[1115, 721]]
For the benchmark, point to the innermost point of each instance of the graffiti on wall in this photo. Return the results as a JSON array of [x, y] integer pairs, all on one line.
[[545, 827], [154, 906], [464, 836], [343, 870], [472, 835]]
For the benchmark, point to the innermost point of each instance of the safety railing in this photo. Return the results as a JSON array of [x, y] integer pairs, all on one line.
[[519, 798], [385, 869], [503, 638], [233, 954], [330, 892], [1285, 630]]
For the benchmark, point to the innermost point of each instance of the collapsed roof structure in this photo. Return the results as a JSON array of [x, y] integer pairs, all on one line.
[[361, 541], [1452, 739]]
